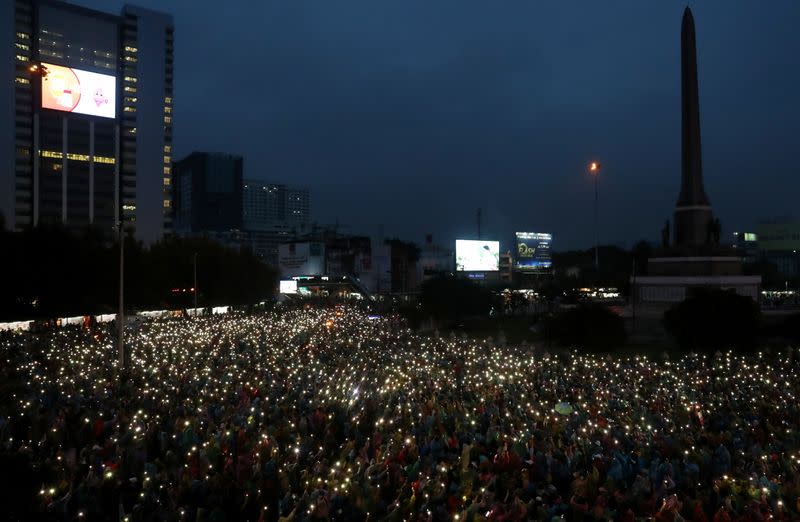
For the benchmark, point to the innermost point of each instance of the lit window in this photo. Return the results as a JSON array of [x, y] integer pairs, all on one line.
[[166, 203], [167, 159], [168, 99], [168, 110], [23, 81], [23, 36], [22, 58], [131, 49], [167, 170], [131, 79], [130, 99], [129, 109], [167, 119], [76, 157], [166, 181], [22, 46], [131, 59], [129, 207], [167, 148], [128, 88]]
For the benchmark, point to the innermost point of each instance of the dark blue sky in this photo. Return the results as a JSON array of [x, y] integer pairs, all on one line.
[[412, 114]]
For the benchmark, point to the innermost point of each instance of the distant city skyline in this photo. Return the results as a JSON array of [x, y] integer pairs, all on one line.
[[410, 116]]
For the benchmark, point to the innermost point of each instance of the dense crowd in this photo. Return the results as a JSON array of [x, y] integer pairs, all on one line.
[[334, 414]]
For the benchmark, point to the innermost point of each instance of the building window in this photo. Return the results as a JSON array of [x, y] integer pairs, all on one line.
[[168, 110], [167, 148], [167, 119], [129, 109], [167, 182], [23, 36], [22, 81], [21, 58], [167, 170], [130, 208], [168, 99], [131, 79], [76, 157], [129, 99], [166, 203], [128, 88], [131, 49], [22, 46], [167, 159]]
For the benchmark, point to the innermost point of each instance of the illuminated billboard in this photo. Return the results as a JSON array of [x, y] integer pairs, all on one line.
[[533, 251], [300, 259], [477, 256], [81, 92], [288, 286]]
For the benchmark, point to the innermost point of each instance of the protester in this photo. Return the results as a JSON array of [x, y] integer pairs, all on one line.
[[323, 413]]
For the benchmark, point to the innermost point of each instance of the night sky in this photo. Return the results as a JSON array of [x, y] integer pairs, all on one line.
[[412, 114]]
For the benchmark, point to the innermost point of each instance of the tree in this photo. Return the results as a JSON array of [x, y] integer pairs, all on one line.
[[51, 272], [587, 326], [714, 320], [455, 298]]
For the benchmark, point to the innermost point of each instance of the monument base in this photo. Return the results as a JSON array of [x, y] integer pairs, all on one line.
[[670, 280]]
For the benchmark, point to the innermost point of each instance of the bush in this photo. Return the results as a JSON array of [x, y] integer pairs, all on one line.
[[589, 326], [714, 320], [790, 328]]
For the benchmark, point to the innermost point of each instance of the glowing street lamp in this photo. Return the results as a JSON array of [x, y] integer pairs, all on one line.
[[594, 170]]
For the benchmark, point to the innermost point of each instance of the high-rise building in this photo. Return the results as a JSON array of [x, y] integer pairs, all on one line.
[[208, 194], [86, 117], [272, 214]]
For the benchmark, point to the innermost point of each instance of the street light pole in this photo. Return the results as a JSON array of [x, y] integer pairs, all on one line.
[[594, 168], [121, 312], [195, 282]]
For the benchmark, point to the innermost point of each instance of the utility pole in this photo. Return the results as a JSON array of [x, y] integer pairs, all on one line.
[[633, 296], [195, 282]]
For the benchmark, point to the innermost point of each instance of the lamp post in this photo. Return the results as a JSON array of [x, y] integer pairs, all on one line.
[[121, 312], [195, 282], [594, 170]]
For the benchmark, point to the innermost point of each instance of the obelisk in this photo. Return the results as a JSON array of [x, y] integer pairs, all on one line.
[[692, 210]]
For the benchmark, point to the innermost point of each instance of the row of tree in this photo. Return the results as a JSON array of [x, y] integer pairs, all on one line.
[[709, 320], [50, 272]]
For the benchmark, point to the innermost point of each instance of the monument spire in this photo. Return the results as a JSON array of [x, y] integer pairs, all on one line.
[[692, 210]]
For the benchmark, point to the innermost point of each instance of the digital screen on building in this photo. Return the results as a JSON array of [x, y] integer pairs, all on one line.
[[288, 287], [533, 251], [82, 92], [477, 256]]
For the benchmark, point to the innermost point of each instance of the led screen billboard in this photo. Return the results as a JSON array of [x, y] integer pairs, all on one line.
[[81, 92], [533, 251], [477, 256], [288, 286]]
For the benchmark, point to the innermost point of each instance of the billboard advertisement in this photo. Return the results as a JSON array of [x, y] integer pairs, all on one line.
[[82, 92], [533, 251], [477, 255], [301, 259], [288, 286]]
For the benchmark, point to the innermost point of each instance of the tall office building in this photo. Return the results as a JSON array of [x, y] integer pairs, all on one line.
[[272, 214], [85, 117], [208, 194]]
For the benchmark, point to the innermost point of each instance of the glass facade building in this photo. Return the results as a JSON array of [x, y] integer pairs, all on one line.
[[84, 142]]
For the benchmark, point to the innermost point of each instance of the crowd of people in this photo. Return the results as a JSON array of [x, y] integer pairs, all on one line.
[[331, 413]]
